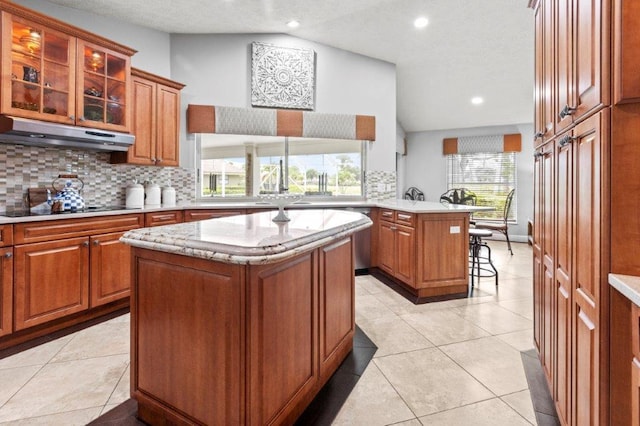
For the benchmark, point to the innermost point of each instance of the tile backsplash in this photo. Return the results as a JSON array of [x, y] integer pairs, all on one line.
[[104, 183], [380, 185]]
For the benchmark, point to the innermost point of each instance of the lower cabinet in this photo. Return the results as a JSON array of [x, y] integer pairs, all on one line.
[[202, 214], [425, 252], [6, 290], [65, 267], [170, 217]]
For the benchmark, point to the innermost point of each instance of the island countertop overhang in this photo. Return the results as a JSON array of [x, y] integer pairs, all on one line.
[[250, 239]]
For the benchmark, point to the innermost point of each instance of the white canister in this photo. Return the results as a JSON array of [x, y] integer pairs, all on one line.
[[168, 196], [151, 194], [135, 196]]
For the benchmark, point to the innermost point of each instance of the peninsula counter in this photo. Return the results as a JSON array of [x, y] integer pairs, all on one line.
[[240, 320]]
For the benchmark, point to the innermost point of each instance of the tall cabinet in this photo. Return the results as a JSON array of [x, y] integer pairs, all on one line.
[[586, 193]]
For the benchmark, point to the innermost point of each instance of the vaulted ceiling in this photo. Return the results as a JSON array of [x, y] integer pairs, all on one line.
[[470, 48]]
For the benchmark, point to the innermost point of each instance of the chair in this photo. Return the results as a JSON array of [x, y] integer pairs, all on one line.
[[414, 193], [459, 196], [501, 226], [480, 254]]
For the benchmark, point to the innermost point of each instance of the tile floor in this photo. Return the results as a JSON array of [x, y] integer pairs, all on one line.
[[444, 363]]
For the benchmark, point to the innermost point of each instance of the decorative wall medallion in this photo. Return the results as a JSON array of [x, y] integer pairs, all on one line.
[[282, 77]]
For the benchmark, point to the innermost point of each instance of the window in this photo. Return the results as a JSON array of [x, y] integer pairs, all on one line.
[[245, 166], [489, 175]]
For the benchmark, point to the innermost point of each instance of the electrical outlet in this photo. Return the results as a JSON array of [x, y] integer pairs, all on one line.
[[381, 187]]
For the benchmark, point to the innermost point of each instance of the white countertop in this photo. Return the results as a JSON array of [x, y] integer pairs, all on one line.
[[252, 238], [628, 285], [404, 205]]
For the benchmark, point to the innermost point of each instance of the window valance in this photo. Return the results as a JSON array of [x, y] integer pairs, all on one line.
[[491, 143], [278, 122]]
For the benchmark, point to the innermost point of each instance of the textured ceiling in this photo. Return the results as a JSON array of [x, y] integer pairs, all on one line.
[[470, 47]]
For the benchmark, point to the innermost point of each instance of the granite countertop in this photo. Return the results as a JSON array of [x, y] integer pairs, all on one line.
[[628, 285], [404, 205], [252, 238]]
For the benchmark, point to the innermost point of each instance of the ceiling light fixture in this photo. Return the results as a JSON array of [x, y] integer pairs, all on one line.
[[477, 100], [421, 22], [293, 24]]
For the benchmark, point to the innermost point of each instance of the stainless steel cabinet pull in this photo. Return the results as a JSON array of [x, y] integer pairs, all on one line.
[[393, 228], [86, 244], [96, 242], [8, 255], [404, 216], [538, 135], [567, 110], [565, 140]]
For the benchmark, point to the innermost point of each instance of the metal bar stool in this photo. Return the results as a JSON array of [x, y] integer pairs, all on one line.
[[481, 264]]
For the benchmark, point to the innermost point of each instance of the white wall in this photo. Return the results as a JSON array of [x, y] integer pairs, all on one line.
[[152, 46], [216, 69], [426, 166]]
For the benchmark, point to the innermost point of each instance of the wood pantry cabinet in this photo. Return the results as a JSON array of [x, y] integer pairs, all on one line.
[[427, 253], [64, 267], [263, 339], [156, 122], [52, 71]]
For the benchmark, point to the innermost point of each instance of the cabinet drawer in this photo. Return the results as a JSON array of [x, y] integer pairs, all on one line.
[[404, 218], [35, 232], [163, 218], [193, 215], [388, 215], [6, 235]]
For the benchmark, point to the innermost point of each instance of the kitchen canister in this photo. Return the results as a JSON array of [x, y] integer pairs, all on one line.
[[135, 196], [151, 194], [168, 196]]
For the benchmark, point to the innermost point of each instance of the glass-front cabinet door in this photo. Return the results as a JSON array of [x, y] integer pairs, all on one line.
[[38, 71], [102, 90]]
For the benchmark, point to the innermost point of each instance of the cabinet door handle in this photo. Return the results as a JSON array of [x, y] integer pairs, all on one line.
[[8, 255], [72, 117], [96, 242], [538, 135], [404, 216], [393, 228], [81, 118], [153, 160], [158, 160], [565, 140], [567, 110], [86, 244], [538, 155]]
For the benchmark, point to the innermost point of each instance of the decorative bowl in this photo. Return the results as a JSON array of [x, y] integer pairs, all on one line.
[[281, 201]]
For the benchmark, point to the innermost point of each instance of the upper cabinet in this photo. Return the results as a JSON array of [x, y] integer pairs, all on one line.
[[626, 60], [55, 72], [156, 121]]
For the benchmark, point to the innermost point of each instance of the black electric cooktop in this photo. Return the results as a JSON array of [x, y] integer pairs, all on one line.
[[92, 209]]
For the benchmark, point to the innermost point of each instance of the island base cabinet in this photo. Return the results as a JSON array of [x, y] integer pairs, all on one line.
[[216, 343]]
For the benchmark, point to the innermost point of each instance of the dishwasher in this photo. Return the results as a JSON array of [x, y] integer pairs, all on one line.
[[362, 244]]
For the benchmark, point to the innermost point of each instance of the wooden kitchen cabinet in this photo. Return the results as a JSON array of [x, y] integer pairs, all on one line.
[[67, 266], [426, 253], [544, 73], [202, 214], [626, 62], [169, 217], [156, 122], [6, 290], [51, 281], [56, 72], [110, 273]]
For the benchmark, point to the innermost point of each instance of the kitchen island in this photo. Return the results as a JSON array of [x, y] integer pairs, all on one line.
[[240, 320]]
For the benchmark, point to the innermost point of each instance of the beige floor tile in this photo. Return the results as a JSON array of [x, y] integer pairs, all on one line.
[[493, 412], [108, 338], [494, 318], [369, 307], [392, 335], [69, 386], [413, 422], [522, 307], [373, 402], [442, 327], [520, 340], [70, 418], [521, 402], [13, 379], [121, 392], [494, 363], [371, 284], [126, 318], [108, 408], [430, 382], [38, 355]]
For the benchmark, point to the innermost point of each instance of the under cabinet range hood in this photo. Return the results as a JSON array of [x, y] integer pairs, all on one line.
[[40, 133]]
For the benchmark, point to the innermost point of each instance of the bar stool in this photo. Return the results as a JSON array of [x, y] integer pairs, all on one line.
[[481, 264]]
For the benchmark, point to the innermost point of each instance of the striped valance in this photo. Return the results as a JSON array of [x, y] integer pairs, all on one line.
[[279, 122], [492, 143]]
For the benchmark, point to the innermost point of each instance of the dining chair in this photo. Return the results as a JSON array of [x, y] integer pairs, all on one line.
[[414, 193], [459, 196], [502, 226]]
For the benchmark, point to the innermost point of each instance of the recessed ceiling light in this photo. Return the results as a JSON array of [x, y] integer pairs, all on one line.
[[421, 22], [477, 100], [293, 24]]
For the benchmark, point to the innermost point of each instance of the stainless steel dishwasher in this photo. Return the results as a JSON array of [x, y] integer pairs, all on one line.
[[362, 243]]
